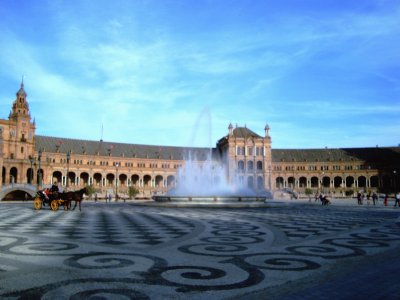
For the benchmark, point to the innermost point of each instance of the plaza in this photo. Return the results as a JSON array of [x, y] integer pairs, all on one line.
[[280, 249]]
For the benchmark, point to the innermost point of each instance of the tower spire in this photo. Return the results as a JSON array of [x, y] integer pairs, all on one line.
[[230, 128], [266, 128], [20, 106]]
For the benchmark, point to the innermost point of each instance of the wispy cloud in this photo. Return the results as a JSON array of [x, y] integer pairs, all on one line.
[[147, 70]]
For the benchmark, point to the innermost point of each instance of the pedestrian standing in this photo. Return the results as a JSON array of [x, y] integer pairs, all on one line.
[[359, 199], [385, 202]]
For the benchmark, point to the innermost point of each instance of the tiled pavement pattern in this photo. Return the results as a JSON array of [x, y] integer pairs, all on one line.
[[105, 226], [127, 251]]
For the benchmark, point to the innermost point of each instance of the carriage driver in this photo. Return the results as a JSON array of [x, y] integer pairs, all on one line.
[[54, 187]]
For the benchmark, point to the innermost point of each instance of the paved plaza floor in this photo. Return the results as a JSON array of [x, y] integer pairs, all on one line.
[[281, 250]]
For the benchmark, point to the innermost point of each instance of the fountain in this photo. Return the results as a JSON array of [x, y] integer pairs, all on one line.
[[206, 181]]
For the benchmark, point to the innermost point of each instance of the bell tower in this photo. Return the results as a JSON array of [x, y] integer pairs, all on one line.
[[20, 107], [19, 140]]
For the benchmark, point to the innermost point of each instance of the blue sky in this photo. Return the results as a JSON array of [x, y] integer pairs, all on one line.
[[177, 72]]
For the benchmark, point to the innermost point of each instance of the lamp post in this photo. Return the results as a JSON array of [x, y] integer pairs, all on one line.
[[39, 171], [395, 182], [116, 181], [68, 158], [31, 159], [269, 177]]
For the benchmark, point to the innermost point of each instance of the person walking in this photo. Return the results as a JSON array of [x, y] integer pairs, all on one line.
[[359, 201], [374, 198], [397, 202]]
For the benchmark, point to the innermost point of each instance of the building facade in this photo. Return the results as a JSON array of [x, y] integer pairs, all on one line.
[[34, 160]]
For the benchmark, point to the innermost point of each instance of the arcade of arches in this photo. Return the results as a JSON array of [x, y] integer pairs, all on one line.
[[27, 158]]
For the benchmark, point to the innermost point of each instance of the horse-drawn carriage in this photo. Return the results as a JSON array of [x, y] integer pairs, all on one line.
[[53, 198]]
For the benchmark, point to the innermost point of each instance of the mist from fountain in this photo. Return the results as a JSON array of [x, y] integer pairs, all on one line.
[[206, 179], [209, 177]]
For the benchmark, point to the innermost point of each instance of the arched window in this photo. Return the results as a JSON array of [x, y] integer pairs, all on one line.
[[241, 166], [250, 182], [260, 182]]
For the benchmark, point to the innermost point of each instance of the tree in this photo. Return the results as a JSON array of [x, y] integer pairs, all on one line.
[[308, 192], [91, 190], [132, 192]]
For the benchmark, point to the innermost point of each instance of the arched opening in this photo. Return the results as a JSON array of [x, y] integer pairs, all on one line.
[[135, 180], [362, 182], [326, 182], [84, 177], [122, 180], [97, 179], [71, 178], [159, 181], [303, 182], [110, 179], [147, 180], [259, 165], [13, 175], [3, 176], [337, 182], [57, 176], [374, 181], [314, 182], [349, 181], [291, 182], [279, 182], [29, 176], [170, 181]]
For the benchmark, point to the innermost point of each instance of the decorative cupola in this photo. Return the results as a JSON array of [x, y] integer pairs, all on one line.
[[266, 128], [20, 107], [230, 128]]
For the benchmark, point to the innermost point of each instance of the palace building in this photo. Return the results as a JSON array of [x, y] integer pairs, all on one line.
[[29, 161]]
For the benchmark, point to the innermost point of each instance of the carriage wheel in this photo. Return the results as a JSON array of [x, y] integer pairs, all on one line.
[[54, 205], [37, 203]]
